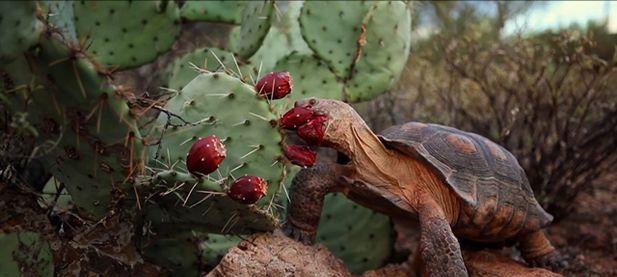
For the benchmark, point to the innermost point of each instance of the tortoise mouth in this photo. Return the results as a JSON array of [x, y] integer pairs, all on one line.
[[342, 159]]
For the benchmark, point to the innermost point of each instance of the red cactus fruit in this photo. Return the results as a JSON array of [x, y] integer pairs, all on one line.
[[314, 130], [296, 117], [248, 189], [205, 156], [275, 85], [300, 155]]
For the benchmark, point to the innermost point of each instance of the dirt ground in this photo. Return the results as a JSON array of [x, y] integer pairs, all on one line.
[[588, 237]]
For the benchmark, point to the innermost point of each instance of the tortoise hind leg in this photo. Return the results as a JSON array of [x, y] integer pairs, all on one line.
[[439, 249], [538, 251]]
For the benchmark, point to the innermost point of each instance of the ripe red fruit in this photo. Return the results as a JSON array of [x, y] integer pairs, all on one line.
[[275, 85], [301, 155], [205, 156], [248, 189], [296, 117], [314, 130]]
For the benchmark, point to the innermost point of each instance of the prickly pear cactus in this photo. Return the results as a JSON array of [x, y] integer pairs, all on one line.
[[215, 103], [364, 43], [186, 203], [255, 25], [19, 28], [89, 134], [332, 30], [283, 39], [211, 59], [125, 34], [213, 11], [310, 73], [383, 57], [60, 15], [360, 237], [25, 254]]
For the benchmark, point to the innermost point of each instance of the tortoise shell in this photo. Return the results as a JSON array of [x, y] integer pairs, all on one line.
[[487, 177]]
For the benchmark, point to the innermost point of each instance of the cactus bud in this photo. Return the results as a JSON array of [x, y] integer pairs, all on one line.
[[300, 155], [296, 117], [205, 156], [248, 189], [275, 85], [314, 130]]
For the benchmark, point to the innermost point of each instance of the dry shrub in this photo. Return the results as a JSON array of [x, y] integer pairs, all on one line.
[[554, 105]]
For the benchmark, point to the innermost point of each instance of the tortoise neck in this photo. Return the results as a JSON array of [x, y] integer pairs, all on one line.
[[368, 154]]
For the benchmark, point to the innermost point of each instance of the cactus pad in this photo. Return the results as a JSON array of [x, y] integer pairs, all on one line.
[[312, 78], [255, 25], [189, 204], [19, 28], [127, 33], [207, 58], [360, 237], [388, 33], [25, 254], [59, 14], [213, 11], [332, 30], [99, 145]]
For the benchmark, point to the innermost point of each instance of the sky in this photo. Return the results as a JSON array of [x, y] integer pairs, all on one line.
[[555, 14]]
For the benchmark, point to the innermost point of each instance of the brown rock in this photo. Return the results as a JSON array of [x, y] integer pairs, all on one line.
[[277, 255], [486, 263]]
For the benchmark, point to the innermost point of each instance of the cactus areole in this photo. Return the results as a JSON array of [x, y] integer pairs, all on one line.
[[248, 189], [205, 156], [452, 183], [275, 85]]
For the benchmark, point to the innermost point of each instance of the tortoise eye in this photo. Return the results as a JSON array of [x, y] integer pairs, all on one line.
[[312, 101]]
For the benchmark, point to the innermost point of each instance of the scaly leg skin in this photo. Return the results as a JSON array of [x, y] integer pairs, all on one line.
[[307, 192], [538, 251], [439, 248]]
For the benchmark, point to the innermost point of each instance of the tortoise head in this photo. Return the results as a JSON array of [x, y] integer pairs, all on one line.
[[325, 122]]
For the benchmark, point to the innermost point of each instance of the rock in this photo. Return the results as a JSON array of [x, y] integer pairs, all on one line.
[[274, 254], [486, 263], [277, 255]]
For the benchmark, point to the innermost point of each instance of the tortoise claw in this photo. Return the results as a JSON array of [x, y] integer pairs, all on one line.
[[552, 261], [297, 234]]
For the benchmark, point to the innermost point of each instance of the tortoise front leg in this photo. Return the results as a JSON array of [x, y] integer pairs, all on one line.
[[439, 249], [307, 192]]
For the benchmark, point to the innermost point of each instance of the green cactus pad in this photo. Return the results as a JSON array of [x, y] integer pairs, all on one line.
[[360, 237], [388, 39], [213, 11], [127, 33], [98, 145], [59, 14], [332, 29], [221, 105], [19, 28], [255, 25], [25, 254], [188, 204], [206, 58], [178, 254], [283, 39], [216, 246], [312, 78]]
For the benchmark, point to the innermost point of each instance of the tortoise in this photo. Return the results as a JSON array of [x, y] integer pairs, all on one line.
[[453, 183]]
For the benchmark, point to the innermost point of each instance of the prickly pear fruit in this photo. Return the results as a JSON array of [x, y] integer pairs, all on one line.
[[205, 156], [275, 85], [300, 155], [248, 189], [296, 117], [314, 130]]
